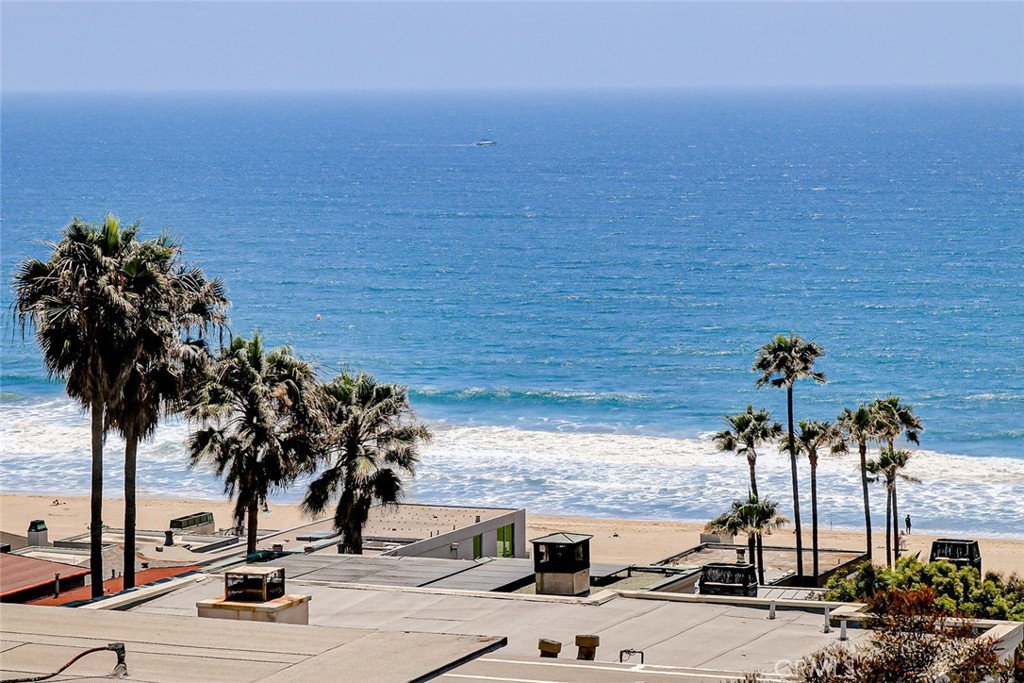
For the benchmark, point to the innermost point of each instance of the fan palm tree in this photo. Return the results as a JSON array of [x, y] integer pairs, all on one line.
[[754, 516], [732, 523], [747, 432], [860, 426], [781, 362], [812, 437], [257, 415], [888, 467], [77, 305], [176, 306], [371, 444], [896, 419]]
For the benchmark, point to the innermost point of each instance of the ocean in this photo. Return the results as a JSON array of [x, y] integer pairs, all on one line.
[[576, 307]]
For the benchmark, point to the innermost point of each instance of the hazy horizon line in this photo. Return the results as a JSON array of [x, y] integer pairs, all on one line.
[[772, 88]]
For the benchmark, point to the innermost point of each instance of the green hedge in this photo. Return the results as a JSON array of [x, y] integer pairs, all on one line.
[[960, 591]]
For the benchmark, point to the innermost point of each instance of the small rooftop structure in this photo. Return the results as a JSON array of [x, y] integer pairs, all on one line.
[[196, 523], [254, 584], [723, 578], [961, 552], [561, 562], [256, 594]]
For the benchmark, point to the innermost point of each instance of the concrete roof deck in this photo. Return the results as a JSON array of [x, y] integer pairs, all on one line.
[[671, 633], [39, 640], [778, 561]]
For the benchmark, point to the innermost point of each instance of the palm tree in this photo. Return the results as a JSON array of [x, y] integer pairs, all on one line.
[[813, 436], [175, 307], [257, 415], [896, 419], [77, 305], [762, 516], [756, 517], [747, 432], [888, 466], [860, 426], [370, 445], [781, 362], [732, 523]]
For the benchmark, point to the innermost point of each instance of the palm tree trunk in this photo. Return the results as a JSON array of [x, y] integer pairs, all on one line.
[[888, 526], [814, 516], [751, 557], [752, 462], [796, 490], [253, 520], [357, 540], [131, 451], [895, 524], [760, 559], [96, 502], [864, 486]]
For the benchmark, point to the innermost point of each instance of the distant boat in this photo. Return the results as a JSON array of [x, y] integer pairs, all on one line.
[[485, 143]]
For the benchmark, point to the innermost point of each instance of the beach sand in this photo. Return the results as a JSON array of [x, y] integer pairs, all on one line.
[[615, 540]]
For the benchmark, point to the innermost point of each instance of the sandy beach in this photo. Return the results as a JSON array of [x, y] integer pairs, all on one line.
[[615, 540]]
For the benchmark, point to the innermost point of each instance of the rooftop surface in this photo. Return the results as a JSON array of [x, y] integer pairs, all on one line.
[[18, 573], [673, 631], [115, 585], [39, 640], [778, 561], [485, 575]]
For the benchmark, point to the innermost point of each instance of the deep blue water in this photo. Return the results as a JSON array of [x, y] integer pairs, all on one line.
[[610, 265]]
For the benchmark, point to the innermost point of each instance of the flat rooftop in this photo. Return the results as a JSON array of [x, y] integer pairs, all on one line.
[[672, 630], [161, 649], [778, 561], [484, 575]]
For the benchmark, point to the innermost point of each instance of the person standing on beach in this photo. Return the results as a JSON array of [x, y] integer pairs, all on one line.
[[907, 520]]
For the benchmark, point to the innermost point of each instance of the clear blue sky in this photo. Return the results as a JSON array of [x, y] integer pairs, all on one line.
[[426, 45]]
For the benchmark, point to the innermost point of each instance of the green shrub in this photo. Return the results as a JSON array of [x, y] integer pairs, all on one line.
[[959, 592]]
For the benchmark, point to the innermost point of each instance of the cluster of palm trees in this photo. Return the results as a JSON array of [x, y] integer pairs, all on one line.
[[780, 363], [125, 323]]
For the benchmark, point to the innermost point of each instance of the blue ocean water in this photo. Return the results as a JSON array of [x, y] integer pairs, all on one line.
[[594, 285]]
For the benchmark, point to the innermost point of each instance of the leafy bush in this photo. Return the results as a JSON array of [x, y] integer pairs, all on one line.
[[959, 592], [913, 639]]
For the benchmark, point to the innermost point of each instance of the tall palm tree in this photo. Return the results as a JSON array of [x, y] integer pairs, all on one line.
[[860, 426], [781, 362], [746, 433], [77, 305], [754, 516], [371, 444], [257, 415], [896, 419], [175, 307], [888, 467], [814, 436]]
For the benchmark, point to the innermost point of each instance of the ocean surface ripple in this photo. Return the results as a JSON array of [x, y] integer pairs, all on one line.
[[576, 307]]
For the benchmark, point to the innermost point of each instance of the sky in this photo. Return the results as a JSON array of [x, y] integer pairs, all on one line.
[[218, 46]]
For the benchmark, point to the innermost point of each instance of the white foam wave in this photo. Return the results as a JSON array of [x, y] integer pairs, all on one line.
[[45, 448]]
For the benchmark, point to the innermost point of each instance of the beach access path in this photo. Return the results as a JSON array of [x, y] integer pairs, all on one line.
[[627, 541]]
